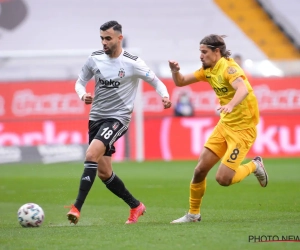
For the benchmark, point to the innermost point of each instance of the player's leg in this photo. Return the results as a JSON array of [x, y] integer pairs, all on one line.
[[114, 183], [255, 166], [94, 152], [117, 187], [109, 133], [231, 170], [228, 175], [213, 150]]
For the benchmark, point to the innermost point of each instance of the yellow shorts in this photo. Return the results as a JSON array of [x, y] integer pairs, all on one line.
[[231, 146]]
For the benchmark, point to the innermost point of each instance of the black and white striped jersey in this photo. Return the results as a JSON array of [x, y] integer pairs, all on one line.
[[116, 83]]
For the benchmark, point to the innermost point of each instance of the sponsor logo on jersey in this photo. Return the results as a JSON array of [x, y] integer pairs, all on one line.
[[121, 73], [115, 125], [220, 91], [109, 84]]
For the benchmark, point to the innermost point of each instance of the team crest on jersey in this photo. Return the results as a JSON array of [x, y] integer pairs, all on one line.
[[115, 125], [231, 70], [121, 73]]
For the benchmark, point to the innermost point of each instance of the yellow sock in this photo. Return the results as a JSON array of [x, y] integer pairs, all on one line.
[[243, 171], [197, 191]]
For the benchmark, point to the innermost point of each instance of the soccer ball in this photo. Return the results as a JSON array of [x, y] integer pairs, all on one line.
[[30, 215]]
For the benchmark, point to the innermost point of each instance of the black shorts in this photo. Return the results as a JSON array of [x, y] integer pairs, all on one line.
[[108, 131]]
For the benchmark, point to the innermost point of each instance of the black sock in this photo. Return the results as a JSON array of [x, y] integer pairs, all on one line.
[[116, 186], [86, 182]]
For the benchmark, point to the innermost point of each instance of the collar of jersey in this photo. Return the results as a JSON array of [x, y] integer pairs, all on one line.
[[216, 67], [116, 58]]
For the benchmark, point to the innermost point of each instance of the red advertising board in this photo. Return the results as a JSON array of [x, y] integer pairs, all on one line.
[[57, 99], [168, 138], [275, 95], [38, 113], [183, 138], [40, 100]]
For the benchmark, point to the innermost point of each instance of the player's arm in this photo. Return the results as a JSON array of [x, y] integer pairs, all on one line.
[[179, 79], [161, 89], [80, 86], [81, 91], [145, 73], [241, 93]]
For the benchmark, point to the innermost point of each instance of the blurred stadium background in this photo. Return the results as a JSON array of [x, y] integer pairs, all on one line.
[[43, 45]]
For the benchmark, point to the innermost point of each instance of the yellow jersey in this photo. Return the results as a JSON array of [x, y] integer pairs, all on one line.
[[245, 114]]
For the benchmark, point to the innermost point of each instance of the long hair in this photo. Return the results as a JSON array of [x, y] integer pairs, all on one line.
[[215, 41]]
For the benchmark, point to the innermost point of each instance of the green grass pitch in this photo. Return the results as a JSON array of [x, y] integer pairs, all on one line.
[[230, 214]]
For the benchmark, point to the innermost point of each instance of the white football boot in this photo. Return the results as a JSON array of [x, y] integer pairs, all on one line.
[[260, 172], [188, 218]]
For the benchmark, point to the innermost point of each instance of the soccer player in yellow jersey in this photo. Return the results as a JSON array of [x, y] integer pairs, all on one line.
[[235, 132]]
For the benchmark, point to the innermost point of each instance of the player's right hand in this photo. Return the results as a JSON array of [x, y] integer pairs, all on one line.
[[166, 102], [174, 66], [87, 98]]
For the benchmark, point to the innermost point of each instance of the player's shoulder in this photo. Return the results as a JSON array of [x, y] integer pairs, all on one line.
[[200, 71], [201, 75], [231, 66], [231, 62], [98, 53], [130, 57]]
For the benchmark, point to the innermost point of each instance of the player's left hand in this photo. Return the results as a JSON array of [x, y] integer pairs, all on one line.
[[166, 102], [226, 109]]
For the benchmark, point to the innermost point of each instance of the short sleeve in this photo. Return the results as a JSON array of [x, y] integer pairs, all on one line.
[[233, 72]]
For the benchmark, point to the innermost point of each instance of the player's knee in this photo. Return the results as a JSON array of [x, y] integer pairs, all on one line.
[[104, 171], [102, 176], [200, 172], [90, 156], [223, 180]]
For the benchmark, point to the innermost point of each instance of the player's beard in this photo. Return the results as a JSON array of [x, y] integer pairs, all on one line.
[[205, 66], [108, 51], [111, 50]]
